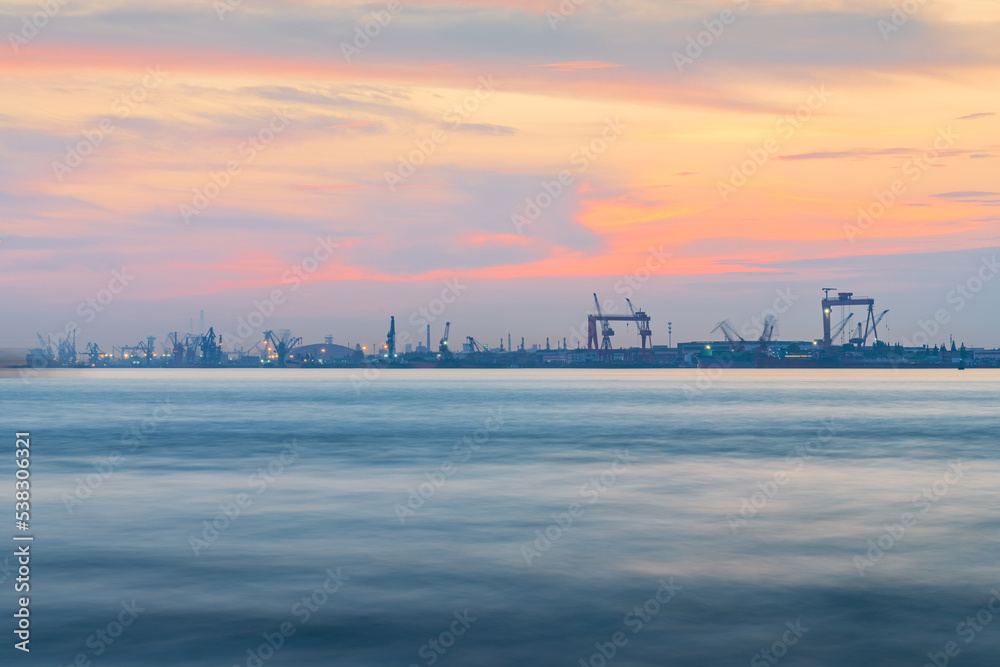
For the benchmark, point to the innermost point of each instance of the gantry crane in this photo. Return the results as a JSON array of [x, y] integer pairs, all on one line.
[[847, 299], [639, 317]]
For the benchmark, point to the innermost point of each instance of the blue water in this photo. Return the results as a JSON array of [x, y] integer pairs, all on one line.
[[637, 476]]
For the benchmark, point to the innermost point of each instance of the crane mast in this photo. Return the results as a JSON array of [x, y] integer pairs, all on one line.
[[443, 343]]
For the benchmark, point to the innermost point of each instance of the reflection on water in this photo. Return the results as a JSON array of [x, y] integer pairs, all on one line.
[[294, 518]]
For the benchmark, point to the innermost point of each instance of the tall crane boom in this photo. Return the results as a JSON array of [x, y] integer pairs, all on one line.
[[606, 331], [443, 343], [728, 331], [840, 327], [768, 331], [283, 344]]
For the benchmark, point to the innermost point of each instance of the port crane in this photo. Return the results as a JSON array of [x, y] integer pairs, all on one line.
[[847, 299], [843, 324], [473, 344], [768, 330], [94, 353], [282, 344], [211, 352], [67, 348], [728, 331], [606, 331], [177, 348], [642, 323], [142, 349], [862, 338], [46, 348], [443, 343], [639, 317]]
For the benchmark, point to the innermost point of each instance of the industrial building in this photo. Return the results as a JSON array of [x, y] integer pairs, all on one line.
[[841, 345]]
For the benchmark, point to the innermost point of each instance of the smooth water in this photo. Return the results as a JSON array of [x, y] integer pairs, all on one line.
[[697, 520]]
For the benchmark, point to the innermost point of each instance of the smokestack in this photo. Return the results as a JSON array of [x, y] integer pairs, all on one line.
[[201, 324], [428, 336]]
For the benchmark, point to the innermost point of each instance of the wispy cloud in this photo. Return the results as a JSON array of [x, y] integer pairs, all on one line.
[[966, 194], [857, 153]]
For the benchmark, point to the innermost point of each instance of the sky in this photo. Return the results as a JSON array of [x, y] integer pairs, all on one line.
[[320, 167]]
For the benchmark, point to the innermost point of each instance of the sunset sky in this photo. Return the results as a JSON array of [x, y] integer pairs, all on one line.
[[698, 156]]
